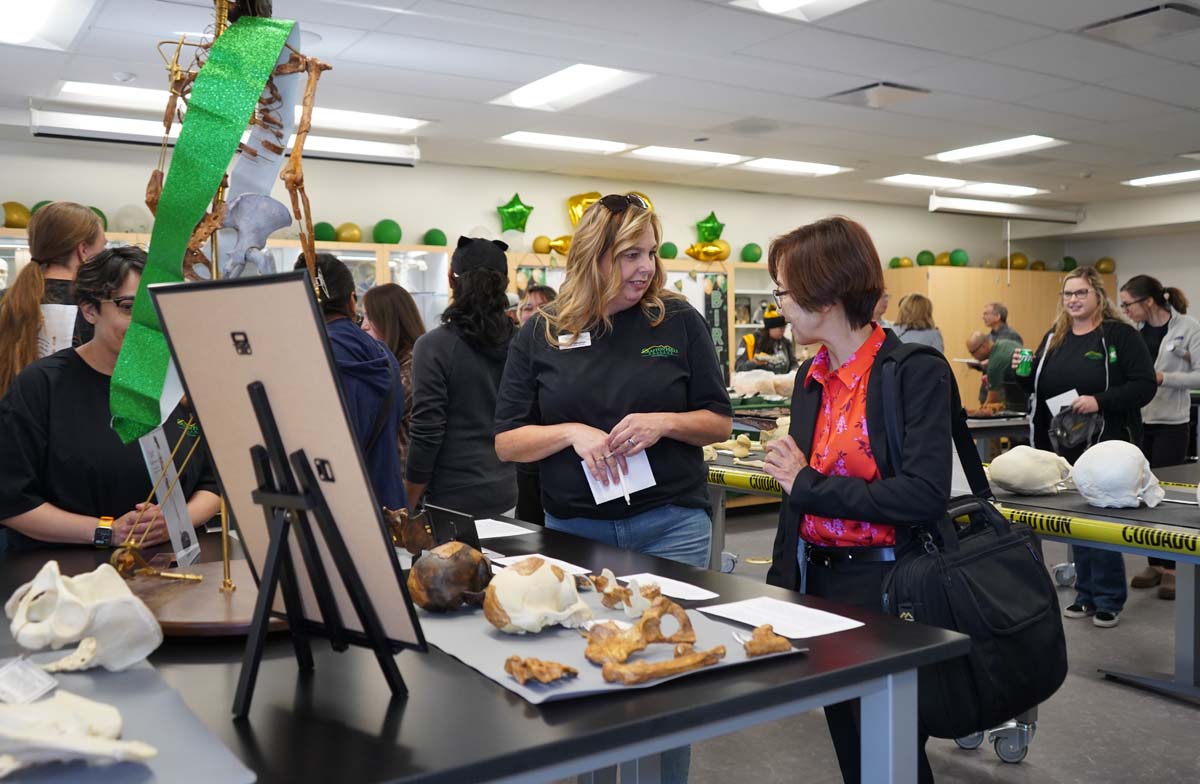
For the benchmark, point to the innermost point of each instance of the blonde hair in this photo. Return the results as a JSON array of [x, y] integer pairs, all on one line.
[[1062, 325], [590, 286], [916, 312], [55, 231]]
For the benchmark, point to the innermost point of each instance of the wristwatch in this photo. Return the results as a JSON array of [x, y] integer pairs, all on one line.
[[102, 537]]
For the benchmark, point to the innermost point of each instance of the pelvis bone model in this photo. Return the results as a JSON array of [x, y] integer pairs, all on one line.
[[64, 728], [113, 627]]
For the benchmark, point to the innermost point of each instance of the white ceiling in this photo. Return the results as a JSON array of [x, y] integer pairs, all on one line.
[[752, 83]]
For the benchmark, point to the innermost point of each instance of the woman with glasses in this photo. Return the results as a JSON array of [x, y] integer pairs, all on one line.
[[1095, 355], [617, 366], [1173, 340], [62, 468], [847, 507]]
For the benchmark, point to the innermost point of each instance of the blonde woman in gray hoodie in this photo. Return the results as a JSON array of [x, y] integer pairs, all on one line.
[[1174, 342]]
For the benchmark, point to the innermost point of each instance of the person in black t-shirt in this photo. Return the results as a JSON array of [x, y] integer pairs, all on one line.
[[529, 476], [38, 315], [61, 466], [614, 367], [1094, 352]]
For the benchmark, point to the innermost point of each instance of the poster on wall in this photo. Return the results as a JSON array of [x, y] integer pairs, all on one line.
[[716, 313], [540, 276]]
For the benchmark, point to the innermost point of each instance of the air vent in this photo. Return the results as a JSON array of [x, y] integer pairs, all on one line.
[[1148, 25], [879, 95]]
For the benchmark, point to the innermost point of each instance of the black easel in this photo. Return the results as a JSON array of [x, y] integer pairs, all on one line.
[[286, 504]]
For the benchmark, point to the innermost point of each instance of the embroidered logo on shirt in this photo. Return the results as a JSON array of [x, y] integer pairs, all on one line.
[[660, 351], [1093, 355]]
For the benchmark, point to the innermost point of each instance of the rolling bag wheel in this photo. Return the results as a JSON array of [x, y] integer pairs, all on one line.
[[1064, 574], [970, 742]]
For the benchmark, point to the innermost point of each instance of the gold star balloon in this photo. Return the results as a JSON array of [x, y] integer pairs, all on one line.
[[514, 214]]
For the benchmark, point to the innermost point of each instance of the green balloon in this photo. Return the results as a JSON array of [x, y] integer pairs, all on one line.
[[41, 204], [668, 250], [101, 215], [435, 237], [958, 258], [925, 258], [894, 263], [751, 252], [386, 232], [1069, 263], [324, 232]]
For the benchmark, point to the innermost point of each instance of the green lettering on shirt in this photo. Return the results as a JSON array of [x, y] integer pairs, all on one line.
[[660, 351], [1093, 355]]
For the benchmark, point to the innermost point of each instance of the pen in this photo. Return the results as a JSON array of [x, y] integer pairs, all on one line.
[[624, 489]]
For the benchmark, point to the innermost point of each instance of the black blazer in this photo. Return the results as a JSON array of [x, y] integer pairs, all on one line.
[[917, 495]]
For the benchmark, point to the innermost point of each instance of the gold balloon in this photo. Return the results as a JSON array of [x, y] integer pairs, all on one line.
[[561, 244], [1038, 266], [348, 232], [725, 249], [541, 244], [989, 263], [942, 259], [1106, 265], [905, 261], [16, 215], [707, 251], [1019, 261], [578, 204]]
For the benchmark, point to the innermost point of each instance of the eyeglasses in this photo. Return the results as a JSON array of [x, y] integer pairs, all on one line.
[[778, 294], [124, 304], [1128, 305], [1077, 294], [619, 202]]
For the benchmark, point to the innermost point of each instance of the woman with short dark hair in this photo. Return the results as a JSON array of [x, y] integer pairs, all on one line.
[[392, 318], [847, 508]]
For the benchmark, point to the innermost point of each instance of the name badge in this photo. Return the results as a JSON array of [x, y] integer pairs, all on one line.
[[582, 341]]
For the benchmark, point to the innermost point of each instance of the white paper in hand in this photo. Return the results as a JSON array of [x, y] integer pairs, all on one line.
[[794, 621], [639, 478]]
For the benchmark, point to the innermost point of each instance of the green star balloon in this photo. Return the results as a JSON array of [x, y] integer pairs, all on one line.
[[709, 229], [514, 214]]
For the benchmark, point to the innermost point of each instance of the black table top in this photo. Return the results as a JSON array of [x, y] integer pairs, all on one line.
[[340, 724], [1188, 473]]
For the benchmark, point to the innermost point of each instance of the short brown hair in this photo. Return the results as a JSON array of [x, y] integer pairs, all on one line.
[[829, 262]]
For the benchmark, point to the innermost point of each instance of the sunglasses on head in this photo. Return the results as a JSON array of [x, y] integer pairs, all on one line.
[[619, 202]]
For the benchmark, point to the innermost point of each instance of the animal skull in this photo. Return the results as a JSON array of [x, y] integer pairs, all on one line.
[[113, 627], [531, 595], [1028, 471], [1116, 474], [64, 728]]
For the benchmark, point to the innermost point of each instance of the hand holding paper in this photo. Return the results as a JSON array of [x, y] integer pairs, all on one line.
[[640, 477]]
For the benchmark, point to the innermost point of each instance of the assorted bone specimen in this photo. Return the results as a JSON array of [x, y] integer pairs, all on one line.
[[634, 599], [1116, 474], [781, 429], [535, 669], [633, 673], [749, 463], [531, 595], [764, 640], [609, 643], [710, 454], [1029, 471], [410, 532], [448, 576], [741, 446], [113, 627], [64, 728]]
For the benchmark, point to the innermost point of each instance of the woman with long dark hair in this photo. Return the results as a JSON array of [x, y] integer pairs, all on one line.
[[1173, 340], [392, 318], [456, 370]]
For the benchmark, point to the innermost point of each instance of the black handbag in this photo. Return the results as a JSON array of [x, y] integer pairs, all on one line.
[[975, 572]]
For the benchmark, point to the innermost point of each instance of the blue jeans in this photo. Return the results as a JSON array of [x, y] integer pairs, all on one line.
[[675, 532], [1099, 578]]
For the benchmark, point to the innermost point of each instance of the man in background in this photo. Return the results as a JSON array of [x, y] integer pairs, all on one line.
[[995, 317], [995, 356]]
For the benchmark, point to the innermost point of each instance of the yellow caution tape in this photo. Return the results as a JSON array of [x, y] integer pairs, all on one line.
[[1103, 531], [748, 481]]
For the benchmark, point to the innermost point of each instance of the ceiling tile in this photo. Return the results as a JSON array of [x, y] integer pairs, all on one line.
[[988, 80], [1178, 47], [933, 25], [348, 13], [1175, 84], [152, 16], [1166, 134], [1075, 57], [846, 53], [348, 74], [1059, 14], [993, 113], [437, 57], [1098, 103]]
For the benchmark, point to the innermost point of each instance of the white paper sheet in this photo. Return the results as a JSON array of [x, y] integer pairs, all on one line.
[[156, 451], [640, 477], [494, 529], [569, 568], [793, 621], [1059, 402], [676, 589]]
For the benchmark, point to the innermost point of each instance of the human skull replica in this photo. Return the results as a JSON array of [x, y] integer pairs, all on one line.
[[1116, 474], [531, 595], [1028, 471], [64, 728], [114, 628]]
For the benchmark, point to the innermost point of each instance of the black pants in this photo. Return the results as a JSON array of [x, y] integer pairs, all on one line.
[[529, 496], [860, 584], [1165, 445]]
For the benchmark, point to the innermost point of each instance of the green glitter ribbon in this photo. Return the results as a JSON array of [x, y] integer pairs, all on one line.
[[224, 96]]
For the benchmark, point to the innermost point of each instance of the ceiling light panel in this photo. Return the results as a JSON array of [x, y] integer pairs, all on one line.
[[923, 181], [803, 168], [554, 141], [569, 87], [1164, 179], [997, 149], [998, 190], [683, 155], [45, 24], [803, 10]]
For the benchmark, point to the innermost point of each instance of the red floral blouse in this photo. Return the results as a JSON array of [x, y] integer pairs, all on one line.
[[840, 444]]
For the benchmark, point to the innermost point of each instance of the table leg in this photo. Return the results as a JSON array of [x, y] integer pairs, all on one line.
[[603, 776], [647, 770], [716, 498], [889, 718], [1185, 683]]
